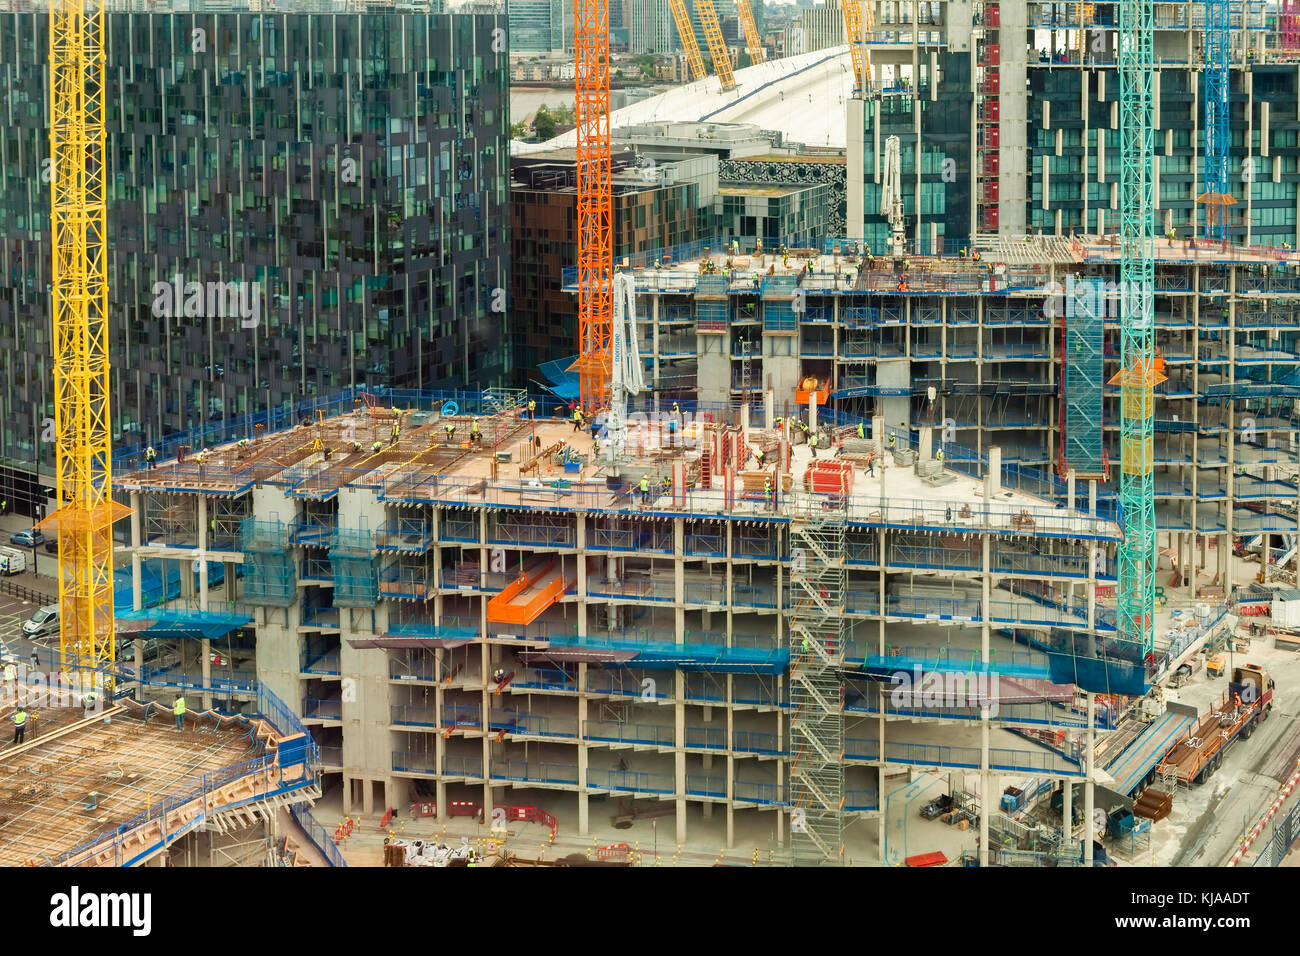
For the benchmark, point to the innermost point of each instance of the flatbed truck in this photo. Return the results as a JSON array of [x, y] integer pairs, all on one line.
[[1248, 702]]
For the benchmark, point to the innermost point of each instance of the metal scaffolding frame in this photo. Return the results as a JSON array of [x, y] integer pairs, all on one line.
[[816, 627]]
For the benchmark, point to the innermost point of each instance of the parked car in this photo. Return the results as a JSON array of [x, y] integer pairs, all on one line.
[[27, 539], [52, 545], [45, 621]]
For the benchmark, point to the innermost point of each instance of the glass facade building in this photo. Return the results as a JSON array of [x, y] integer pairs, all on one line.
[[1073, 128], [349, 171]]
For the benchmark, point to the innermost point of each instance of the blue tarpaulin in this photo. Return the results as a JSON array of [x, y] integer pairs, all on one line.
[[564, 383], [178, 623], [160, 581]]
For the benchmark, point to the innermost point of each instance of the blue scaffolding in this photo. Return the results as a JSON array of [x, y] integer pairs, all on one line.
[[269, 575], [356, 567]]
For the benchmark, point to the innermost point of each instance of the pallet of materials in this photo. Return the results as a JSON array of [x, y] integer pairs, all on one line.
[[829, 477]]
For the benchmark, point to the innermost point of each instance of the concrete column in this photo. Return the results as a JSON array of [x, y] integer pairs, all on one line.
[[439, 743], [986, 780], [137, 587], [812, 411], [1067, 813], [768, 413], [993, 477], [926, 451], [584, 818], [679, 753], [1088, 795], [205, 645], [1069, 492]]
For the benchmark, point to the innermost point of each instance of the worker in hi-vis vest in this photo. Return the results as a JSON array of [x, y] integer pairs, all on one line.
[[178, 711], [20, 723]]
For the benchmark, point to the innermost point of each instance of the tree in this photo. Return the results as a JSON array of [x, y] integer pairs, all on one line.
[[544, 123], [519, 130]]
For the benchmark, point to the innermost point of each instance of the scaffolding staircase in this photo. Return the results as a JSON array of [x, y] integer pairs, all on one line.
[[816, 627], [1082, 346], [505, 401]]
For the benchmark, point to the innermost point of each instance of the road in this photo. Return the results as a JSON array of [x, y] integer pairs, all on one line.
[[1208, 821]]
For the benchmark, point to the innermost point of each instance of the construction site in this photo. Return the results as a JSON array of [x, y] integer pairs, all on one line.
[[819, 552]]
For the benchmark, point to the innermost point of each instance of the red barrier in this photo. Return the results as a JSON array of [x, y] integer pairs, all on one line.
[[424, 809], [614, 851], [464, 808]]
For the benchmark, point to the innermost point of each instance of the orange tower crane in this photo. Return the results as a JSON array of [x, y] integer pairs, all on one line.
[[595, 200]]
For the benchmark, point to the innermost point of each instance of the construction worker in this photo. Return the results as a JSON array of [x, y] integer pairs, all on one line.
[[397, 428], [476, 433], [862, 431], [778, 421], [767, 492], [676, 409], [36, 660], [812, 443], [645, 489], [450, 428], [758, 456], [871, 463], [892, 440], [4, 507], [178, 711], [577, 419], [88, 702], [20, 723], [11, 677], [938, 455], [498, 675], [666, 485], [150, 457]]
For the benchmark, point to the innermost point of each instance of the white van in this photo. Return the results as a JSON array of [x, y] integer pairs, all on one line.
[[45, 621], [12, 561]]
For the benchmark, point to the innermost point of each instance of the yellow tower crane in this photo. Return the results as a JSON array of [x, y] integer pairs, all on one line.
[[717, 46], [753, 45], [687, 34], [86, 513], [857, 22]]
